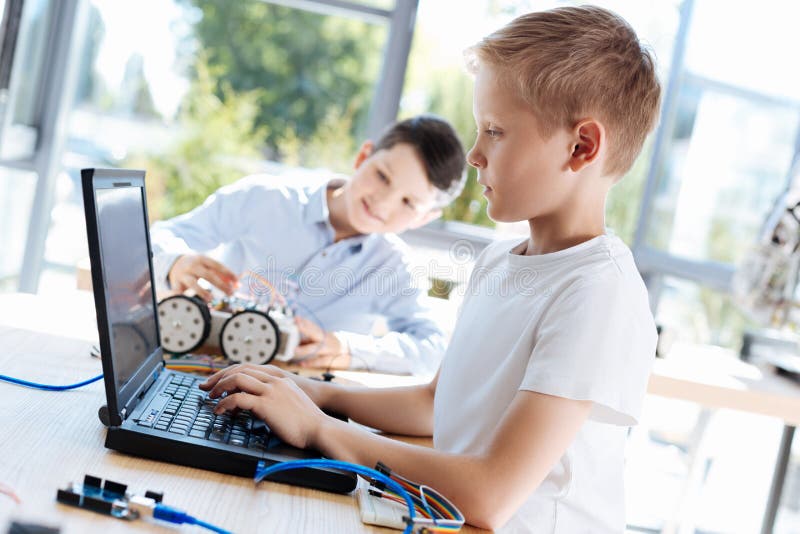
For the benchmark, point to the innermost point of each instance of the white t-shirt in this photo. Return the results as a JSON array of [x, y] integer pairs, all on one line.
[[576, 324]]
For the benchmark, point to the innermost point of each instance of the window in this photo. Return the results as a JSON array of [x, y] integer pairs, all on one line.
[[730, 133], [449, 92], [16, 198], [215, 91]]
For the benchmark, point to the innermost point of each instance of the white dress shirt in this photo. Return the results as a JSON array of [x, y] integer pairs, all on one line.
[[279, 228]]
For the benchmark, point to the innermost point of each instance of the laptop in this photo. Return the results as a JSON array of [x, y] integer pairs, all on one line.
[[152, 411]]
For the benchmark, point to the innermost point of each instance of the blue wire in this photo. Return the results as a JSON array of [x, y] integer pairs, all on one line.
[[179, 517], [47, 387], [209, 526], [261, 473]]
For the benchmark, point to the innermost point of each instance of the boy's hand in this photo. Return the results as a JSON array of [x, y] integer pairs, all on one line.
[[286, 409], [319, 348], [315, 389], [188, 269]]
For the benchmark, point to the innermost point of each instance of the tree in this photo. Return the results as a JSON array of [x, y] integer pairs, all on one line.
[[311, 71], [218, 139]]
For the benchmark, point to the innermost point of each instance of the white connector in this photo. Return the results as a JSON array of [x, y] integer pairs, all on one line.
[[141, 506], [377, 511]]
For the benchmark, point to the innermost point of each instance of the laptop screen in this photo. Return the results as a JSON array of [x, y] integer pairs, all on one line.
[[126, 266]]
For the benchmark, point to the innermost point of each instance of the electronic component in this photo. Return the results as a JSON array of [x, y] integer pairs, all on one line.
[[112, 498], [241, 330], [426, 511], [31, 528], [107, 497], [379, 511]]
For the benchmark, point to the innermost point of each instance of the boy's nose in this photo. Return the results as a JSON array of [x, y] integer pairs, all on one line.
[[475, 158], [380, 205]]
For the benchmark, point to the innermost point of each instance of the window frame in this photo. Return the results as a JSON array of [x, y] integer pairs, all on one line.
[[57, 87]]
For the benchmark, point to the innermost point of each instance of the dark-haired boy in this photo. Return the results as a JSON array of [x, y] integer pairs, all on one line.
[[334, 242]]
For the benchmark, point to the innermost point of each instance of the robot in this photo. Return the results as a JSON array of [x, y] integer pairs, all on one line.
[[766, 282], [243, 331]]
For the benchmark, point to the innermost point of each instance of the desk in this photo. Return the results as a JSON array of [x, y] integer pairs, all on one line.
[[73, 446], [715, 378], [48, 439]]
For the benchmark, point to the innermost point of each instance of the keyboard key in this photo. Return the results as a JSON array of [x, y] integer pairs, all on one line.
[[218, 436]]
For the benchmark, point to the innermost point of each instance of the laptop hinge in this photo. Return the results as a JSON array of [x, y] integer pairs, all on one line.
[[145, 387]]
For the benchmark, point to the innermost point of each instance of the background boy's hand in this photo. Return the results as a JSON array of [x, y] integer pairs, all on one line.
[[188, 269], [319, 348], [277, 400]]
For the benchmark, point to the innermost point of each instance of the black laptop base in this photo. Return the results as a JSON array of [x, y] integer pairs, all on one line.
[[223, 460]]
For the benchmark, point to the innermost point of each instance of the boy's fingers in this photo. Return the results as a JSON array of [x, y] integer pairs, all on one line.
[[220, 269], [197, 288], [241, 401], [308, 349], [309, 329], [216, 377], [217, 280], [237, 382], [212, 380]]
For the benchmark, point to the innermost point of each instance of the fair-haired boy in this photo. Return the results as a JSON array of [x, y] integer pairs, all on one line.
[[333, 240], [550, 357]]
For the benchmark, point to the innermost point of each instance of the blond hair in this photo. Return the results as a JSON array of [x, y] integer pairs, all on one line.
[[572, 63]]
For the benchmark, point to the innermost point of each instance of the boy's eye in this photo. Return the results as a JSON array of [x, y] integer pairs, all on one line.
[[492, 133], [408, 203], [383, 177]]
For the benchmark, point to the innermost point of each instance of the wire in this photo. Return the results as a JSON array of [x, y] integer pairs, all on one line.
[[274, 293], [179, 517], [208, 526], [47, 387], [262, 473], [9, 492], [425, 502]]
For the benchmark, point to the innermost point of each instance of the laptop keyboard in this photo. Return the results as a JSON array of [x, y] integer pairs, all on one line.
[[189, 412]]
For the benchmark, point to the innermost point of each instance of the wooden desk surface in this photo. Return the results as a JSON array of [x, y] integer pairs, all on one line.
[[48, 439], [716, 378]]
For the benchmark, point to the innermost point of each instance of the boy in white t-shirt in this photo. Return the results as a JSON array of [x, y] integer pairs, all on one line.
[[551, 354]]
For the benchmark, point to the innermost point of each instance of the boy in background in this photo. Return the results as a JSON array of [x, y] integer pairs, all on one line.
[[332, 246], [550, 357]]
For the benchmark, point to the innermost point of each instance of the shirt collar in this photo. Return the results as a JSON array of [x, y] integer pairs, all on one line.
[[316, 211]]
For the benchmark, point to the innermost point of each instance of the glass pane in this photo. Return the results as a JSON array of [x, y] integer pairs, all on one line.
[[213, 90], [16, 200], [752, 49], [449, 92], [31, 45], [697, 314], [382, 4], [727, 161]]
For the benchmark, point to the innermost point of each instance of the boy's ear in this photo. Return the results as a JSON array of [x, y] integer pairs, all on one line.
[[425, 219], [589, 137], [363, 153]]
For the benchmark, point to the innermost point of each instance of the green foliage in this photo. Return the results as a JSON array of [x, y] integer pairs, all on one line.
[[625, 198], [449, 95], [314, 74], [218, 137]]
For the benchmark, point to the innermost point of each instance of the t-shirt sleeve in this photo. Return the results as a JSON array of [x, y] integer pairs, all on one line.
[[596, 342]]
